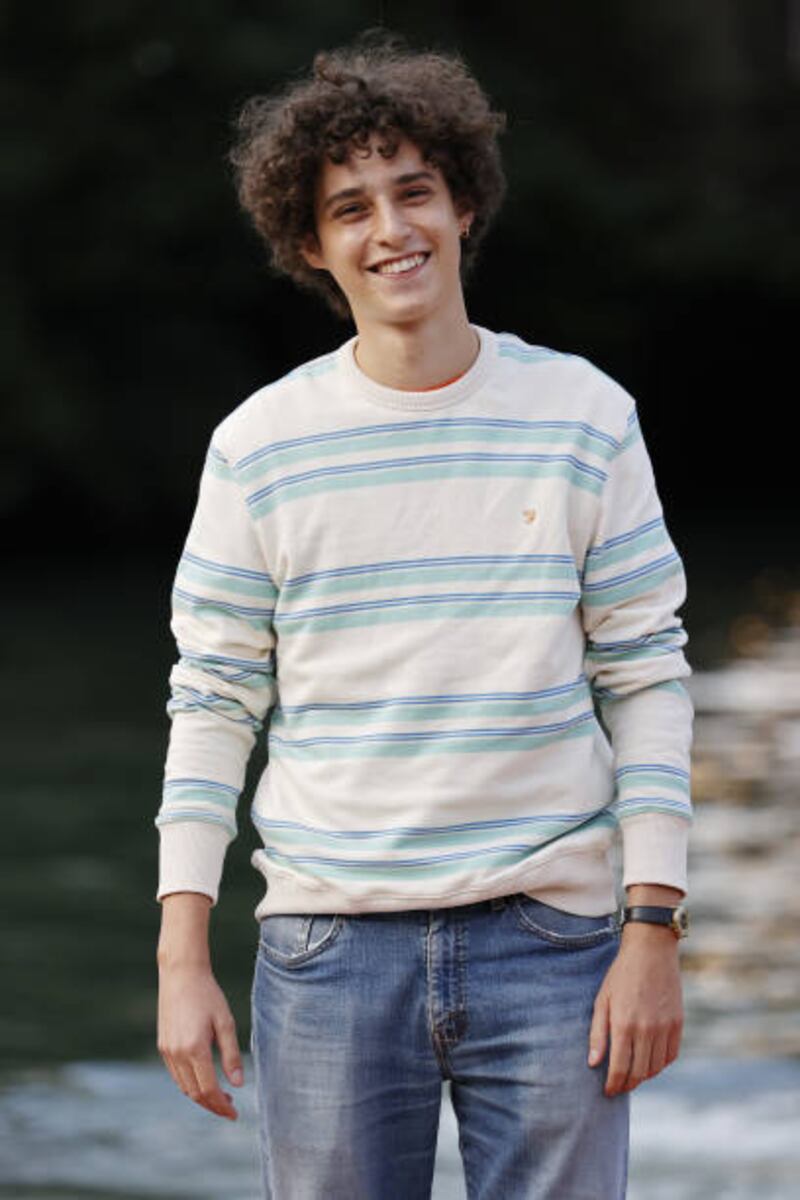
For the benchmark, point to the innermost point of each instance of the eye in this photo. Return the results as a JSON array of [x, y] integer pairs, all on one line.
[[418, 191], [342, 212]]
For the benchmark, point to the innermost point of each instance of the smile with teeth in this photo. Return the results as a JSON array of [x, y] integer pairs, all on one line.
[[400, 266]]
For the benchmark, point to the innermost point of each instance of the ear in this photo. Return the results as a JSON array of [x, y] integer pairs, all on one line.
[[309, 248], [466, 214]]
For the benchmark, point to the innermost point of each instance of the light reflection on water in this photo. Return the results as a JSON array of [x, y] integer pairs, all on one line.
[[705, 1128]]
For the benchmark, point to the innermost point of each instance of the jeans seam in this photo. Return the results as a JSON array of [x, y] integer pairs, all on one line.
[[299, 958], [576, 941]]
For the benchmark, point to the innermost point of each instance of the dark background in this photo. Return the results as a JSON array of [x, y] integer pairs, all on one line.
[[652, 161]]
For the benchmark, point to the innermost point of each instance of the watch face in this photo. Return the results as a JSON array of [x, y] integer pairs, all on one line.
[[680, 919]]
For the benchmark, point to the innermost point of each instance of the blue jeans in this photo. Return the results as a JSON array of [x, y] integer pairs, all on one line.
[[358, 1018]]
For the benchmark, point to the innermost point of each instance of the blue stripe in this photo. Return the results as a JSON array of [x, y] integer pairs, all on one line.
[[254, 664], [401, 564], [395, 863], [645, 639], [434, 735], [189, 699], [638, 573], [665, 803], [413, 601], [435, 698], [237, 610], [426, 459], [664, 768], [169, 784], [465, 423], [424, 830], [620, 538], [227, 569]]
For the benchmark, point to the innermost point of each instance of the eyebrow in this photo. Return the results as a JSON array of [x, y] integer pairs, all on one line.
[[348, 193]]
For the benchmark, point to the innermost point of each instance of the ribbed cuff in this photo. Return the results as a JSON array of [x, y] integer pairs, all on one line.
[[191, 856], [654, 849]]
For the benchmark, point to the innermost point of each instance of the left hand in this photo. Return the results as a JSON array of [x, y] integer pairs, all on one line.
[[640, 1004]]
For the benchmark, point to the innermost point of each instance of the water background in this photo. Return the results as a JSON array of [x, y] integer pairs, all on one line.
[[87, 1109]]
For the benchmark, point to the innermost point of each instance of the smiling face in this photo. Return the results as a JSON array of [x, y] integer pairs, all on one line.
[[388, 232]]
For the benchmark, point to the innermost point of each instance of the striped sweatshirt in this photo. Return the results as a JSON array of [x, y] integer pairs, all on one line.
[[453, 616]]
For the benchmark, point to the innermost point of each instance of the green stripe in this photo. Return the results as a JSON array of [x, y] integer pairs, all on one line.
[[424, 842], [210, 607], [220, 470], [181, 796], [422, 575], [437, 472], [457, 610], [216, 577], [604, 694], [607, 658], [633, 810], [673, 685], [315, 368], [184, 701], [482, 744], [633, 436], [633, 780], [601, 559], [414, 874], [640, 586], [235, 676], [362, 716], [392, 440]]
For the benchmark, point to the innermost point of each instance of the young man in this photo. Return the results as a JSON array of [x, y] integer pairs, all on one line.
[[428, 560]]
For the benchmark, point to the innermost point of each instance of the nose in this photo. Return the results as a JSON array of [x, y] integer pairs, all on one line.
[[391, 224]]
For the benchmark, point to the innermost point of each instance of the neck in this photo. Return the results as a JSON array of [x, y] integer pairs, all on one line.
[[414, 357]]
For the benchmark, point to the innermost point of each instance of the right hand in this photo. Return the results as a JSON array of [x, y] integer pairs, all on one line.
[[192, 1014]]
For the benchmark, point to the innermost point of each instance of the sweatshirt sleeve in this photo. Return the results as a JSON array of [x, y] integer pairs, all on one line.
[[632, 586], [221, 687]]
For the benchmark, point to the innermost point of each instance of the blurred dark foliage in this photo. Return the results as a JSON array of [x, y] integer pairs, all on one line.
[[653, 170]]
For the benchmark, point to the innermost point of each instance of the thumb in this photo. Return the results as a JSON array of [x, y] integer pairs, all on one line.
[[598, 1032], [229, 1054]]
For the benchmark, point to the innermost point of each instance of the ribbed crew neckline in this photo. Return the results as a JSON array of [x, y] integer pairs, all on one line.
[[438, 397]]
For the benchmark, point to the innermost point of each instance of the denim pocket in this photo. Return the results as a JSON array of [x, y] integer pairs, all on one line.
[[563, 928], [293, 938]]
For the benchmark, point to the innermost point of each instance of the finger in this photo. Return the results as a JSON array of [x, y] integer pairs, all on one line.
[[619, 1060], [196, 1093], [640, 1060], [598, 1032], [184, 1077], [658, 1054], [182, 1071], [211, 1095], [230, 1057], [170, 1065], [674, 1041]]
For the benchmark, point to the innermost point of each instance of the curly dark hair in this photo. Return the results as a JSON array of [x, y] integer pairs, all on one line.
[[376, 85]]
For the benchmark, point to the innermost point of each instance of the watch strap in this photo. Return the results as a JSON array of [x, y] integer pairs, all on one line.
[[674, 917]]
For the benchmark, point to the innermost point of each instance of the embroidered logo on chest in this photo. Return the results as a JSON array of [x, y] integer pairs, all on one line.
[[529, 515]]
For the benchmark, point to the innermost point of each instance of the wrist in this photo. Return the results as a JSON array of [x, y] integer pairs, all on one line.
[[171, 959], [183, 940], [653, 893], [642, 933]]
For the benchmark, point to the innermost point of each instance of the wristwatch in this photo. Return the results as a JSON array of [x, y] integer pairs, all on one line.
[[676, 918]]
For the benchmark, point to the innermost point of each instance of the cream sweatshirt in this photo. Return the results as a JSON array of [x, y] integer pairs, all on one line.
[[453, 615]]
